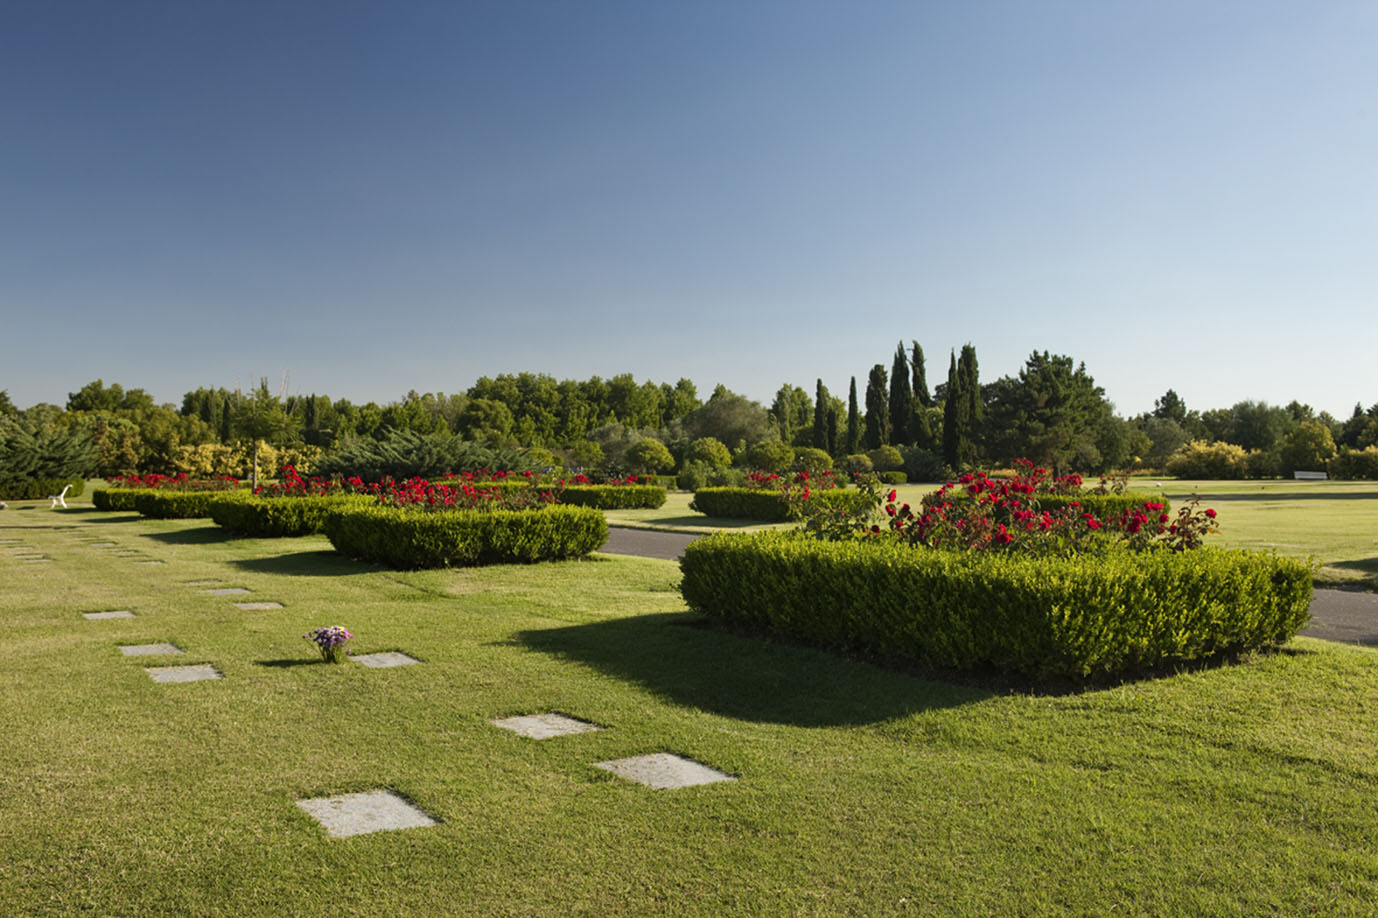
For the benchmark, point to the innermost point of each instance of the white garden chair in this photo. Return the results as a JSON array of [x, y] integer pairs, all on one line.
[[59, 498]]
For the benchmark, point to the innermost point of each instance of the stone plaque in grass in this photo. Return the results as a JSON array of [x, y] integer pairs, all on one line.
[[114, 613], [227, 591], [544, 726], [358, 814], [201, 583], [149, 650], [148, 562], [385, 659], [663, 771], [257, 606], [103, 544], [182, 673]]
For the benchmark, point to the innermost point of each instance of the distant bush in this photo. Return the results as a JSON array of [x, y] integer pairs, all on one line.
[[1199, 459], [407, 539], [856, 464], [1077, 617], [1355, 463], [811, 459], [885, 459], [649, 455], [894, 478], [922, 465], [41, 488], [771, 455], [612, 497], [692, 475], [710, 451], [1259, 463], [405, 454]]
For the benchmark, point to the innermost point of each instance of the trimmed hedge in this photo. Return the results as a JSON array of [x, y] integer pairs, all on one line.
[[182, 505], [1089, 617], [404, 538], [279, 517], [761, 504], [115, 498], [1101, 505], [614, 497], [42, 488]]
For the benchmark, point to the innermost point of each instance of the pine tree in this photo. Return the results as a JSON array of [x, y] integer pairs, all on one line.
[[920, 383], [954, 408], [901, 395], [853, 422], [877, 409], [820, 416]]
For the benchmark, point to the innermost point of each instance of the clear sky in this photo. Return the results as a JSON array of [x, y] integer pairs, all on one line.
[[377, 197]]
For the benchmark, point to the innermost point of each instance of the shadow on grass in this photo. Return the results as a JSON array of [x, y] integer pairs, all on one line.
[[1363, 566], [288, 664], [201, 535], [322, 563], [698, 520], [745, 677], [1263, 496]]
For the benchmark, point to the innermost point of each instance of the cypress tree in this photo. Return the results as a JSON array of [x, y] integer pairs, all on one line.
[[953, 409], [877, 409], [820, 417], [853, 422], [975, 411], [901, 395], [920, 383], [833, 437]]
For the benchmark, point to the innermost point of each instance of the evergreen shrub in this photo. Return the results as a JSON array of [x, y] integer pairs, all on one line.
[[115, 498], [41, 488], [894, 478], [279, 517], [410, 538], [1078, 617], [1101, 505], [765, 505], [613, 497], [182, 505], [1355, 463]]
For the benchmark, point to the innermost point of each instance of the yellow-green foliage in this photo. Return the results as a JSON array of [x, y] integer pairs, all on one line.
[[279, 517], [1066, 617]]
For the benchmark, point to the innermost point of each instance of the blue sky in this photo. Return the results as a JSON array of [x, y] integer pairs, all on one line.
[[378, 197]]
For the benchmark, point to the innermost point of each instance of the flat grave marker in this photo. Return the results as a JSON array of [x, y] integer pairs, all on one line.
[[148, 562], [149, 650], [227, 591], [663, 771], [385, 659], [201, 583], [115, 613], [194, 673], [359, 814], [257, 606], [544, 726]]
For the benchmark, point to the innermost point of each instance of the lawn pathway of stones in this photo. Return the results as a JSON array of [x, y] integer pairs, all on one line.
[[384, 809]]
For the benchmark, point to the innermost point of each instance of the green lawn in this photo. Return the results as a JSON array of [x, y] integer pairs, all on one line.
[[1242, 789]]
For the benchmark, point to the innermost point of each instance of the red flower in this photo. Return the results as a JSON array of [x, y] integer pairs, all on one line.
[[1210, 513]]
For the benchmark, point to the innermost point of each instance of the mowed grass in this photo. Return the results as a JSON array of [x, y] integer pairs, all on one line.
[[1242, 789]]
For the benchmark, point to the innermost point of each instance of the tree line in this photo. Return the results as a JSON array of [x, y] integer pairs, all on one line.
[[1051, 412]]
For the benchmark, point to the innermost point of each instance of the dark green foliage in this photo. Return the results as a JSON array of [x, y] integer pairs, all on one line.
[[955, 417], [770, 456], [901, 399], [765, 505], [1098, 505], [853, 444], [115, 498], [893, 478], [405, 454], [920, 380], [877, 431], [279, 517], [1078, 618], [1052, 414], [181, 505], [36, 450], [614, 497], [923, 465], [820, 416], [407, 539], [41, 488]]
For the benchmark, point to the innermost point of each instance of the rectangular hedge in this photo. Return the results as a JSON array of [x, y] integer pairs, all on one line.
[[280, 517], [614, 497], [1101, 505], [161, 504], [1088, 617], [42, 488], [408, 538], [763, 504]]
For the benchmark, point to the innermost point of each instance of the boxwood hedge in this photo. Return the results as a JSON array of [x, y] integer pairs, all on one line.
[[115, 498], [760, 504], [42, 488], [1101, 505], [614, 497], [408, 538], [279, 517], [162, 504], [1082, 618]]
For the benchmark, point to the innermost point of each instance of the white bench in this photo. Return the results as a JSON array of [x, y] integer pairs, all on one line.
[[59, 498], [1310, 476]]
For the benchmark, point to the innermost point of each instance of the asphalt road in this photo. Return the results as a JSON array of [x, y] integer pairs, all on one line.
[[1336, 615]]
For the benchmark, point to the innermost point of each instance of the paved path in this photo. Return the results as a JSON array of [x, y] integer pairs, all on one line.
[[1336, 615]]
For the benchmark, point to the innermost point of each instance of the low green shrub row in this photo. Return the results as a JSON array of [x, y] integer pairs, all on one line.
[[162, 504], [614, 497], [114, 498], [280, 517], [763, 504], [1099, 505], [404, 538], [42, 488], [893, 478], [1049, 617]]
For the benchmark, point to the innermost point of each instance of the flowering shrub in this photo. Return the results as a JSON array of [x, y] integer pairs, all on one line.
[[330, 641], [179, 482]]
